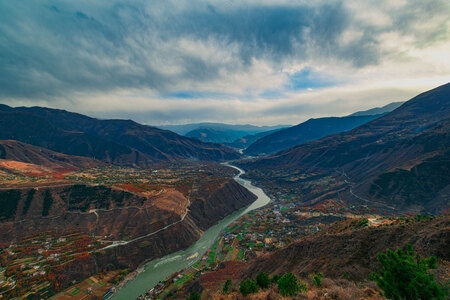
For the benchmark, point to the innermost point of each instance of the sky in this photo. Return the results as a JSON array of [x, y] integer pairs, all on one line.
[[261, 62]]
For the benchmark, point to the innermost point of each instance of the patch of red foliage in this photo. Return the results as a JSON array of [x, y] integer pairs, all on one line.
[[36, 174], [227, 270], [133, 188], [62, 172]]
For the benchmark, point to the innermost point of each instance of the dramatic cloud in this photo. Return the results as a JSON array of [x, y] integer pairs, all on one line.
[[228, 61]]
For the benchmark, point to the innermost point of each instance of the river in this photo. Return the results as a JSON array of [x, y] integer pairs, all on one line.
[[159, 269]]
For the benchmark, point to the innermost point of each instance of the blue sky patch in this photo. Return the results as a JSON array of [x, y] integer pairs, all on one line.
[[308, 79]]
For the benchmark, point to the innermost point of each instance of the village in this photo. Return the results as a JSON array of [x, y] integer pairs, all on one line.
[[267, 229], [37, 264]]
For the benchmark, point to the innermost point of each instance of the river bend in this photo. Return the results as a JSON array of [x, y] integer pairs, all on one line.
[[159, 269]]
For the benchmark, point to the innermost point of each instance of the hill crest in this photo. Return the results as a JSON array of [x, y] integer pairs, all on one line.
[[122, 142], [405, 151]]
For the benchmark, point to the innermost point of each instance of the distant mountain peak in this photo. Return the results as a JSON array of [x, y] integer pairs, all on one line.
[[378, 110], [397, 163]]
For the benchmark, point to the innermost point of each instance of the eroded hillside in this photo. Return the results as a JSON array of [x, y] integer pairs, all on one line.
[[75, 222]]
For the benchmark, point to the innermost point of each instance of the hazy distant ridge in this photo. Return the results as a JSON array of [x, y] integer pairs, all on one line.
[[307, 131]]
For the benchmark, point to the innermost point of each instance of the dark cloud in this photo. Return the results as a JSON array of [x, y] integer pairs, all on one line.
[[261, 31], [59, 48], [426, 21]]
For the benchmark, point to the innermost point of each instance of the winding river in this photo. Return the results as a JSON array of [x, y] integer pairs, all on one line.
[[159, 269]]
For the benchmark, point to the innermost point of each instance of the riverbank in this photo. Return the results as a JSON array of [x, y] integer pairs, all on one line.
[[160, 269]]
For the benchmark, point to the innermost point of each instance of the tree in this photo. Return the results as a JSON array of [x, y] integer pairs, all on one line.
[[226, 287], [289, 285], [363, 223], [248, 286], [317, 279], [404, 275], [263, 280]]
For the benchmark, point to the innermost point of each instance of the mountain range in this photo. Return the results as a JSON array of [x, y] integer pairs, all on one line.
[[127, 143], [243, 136], [245, 129], [122, 142], [313, 129], [223, 133], [395, 165], [310, 130], [400, 161]]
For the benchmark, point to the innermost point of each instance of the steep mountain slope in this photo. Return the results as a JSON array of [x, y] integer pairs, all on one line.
[[400, 161], [345, 254], [114, 141], [18, 151], [350, 251], [310, 130], [152, 212], [20, 159], [147, 226]]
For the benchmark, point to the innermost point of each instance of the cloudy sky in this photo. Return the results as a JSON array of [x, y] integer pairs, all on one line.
[[262, 62]]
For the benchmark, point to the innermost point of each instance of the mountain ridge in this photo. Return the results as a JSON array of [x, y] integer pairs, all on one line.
[[415, 135], [379, 110], [304, 132], [313, 129], [249, 128], [113, 141]]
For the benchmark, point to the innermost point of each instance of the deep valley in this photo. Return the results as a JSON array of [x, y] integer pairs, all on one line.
[[86, 202]]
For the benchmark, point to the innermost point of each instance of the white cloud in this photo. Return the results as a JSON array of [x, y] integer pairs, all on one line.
[[229, 61]]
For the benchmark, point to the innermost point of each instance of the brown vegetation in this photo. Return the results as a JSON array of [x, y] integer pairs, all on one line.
[[345, 253]]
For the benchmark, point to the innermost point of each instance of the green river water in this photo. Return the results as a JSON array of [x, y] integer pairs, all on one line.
[[159, 269]]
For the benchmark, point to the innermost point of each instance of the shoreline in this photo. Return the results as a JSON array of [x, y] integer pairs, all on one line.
[[144, 281], [128, 278]]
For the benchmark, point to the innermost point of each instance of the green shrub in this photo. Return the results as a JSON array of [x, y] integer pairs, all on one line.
[[248, 286], [317, 279], [404, 275], [226, 287], [363, 223], [289, 285], [263, 280]]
